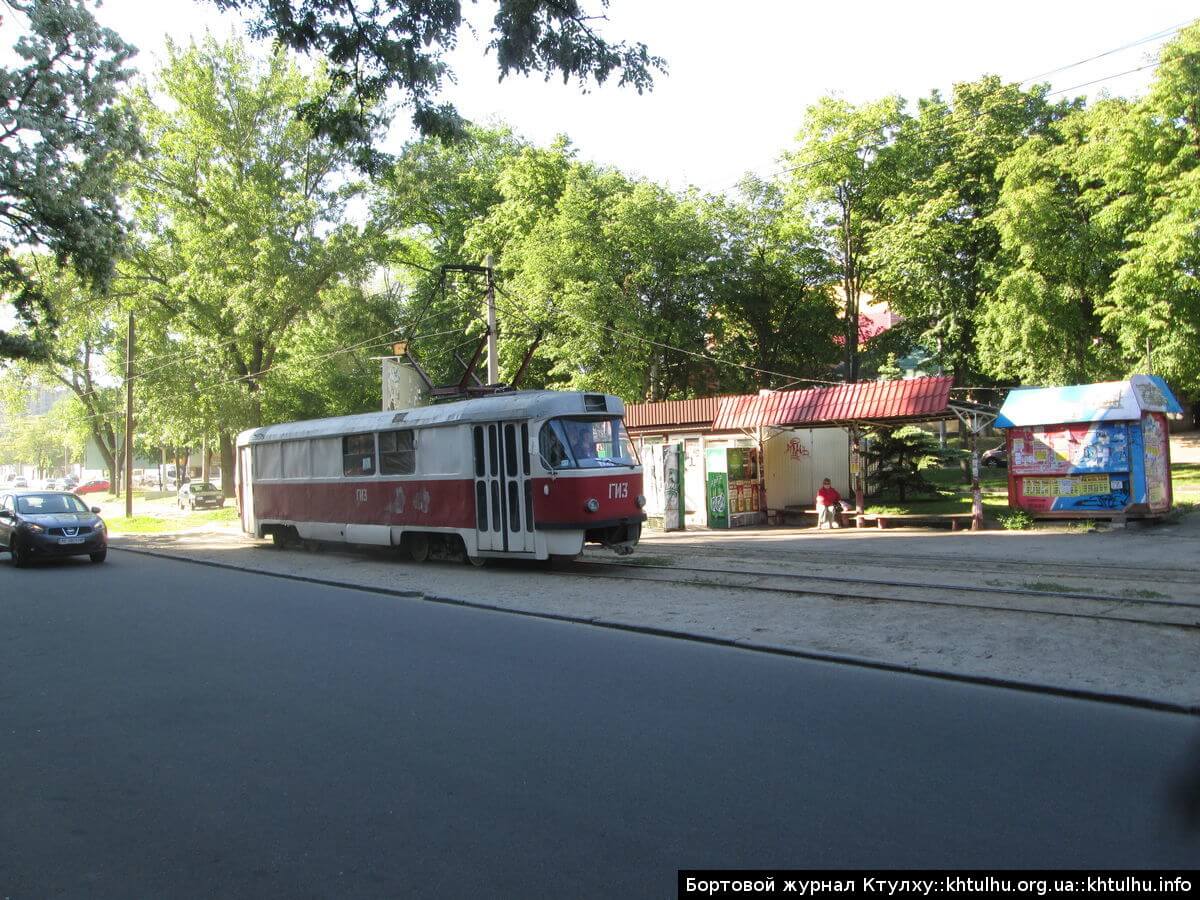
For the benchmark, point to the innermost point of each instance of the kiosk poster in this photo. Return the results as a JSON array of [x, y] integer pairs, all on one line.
[[1066, 449], [1073, 493], [1156, 454]]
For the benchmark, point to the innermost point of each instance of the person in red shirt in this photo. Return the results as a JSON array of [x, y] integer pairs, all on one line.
[[828, 506]]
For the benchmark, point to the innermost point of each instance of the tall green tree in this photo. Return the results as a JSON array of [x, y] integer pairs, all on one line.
[[773, 305], [427, 206], [614, 271], [64, 133], [1058, 255], [1153, 173], [85, 356], [935, 249], [841, 173], [242, 231]]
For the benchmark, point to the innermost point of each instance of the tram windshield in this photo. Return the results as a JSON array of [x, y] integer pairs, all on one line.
[[571, 443]]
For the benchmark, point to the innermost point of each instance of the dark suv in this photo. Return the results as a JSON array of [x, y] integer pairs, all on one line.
[[43, 524]]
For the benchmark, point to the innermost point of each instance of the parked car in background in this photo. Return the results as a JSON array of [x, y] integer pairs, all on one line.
[[52, 484], [69, 483], [20, 481], [44, 524], [197, 494], [95, 486], [997, 457]]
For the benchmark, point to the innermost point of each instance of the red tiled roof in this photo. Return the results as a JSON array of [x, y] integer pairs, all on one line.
[[911, 398], [672, 413]]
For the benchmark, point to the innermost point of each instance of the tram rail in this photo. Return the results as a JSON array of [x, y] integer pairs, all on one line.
[[1068, 604]]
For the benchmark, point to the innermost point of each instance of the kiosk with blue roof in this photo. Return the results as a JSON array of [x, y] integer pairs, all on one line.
[[1090, 450]]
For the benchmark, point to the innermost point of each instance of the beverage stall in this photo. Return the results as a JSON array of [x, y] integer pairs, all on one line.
[[734, 494], [1090, 450]]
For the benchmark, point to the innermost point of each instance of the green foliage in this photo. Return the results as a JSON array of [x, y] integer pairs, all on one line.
[[1018, 520], [374, 47], [772, 304], [935, 246], [242, 244], [64, 132], [896, 459], [841, 173], [1152, 177]]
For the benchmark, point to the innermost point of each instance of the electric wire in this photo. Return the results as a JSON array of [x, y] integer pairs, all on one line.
[[851, 142]]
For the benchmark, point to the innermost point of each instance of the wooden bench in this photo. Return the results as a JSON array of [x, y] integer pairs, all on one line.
[[882, 520], [799, 512]]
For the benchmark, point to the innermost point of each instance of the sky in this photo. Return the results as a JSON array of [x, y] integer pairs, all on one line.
[[742, 74]]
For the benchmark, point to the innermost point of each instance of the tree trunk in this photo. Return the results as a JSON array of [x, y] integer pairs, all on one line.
[[227, 463]]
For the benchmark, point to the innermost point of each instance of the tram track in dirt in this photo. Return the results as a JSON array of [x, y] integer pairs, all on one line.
[[1029, 568], [1098, 607]]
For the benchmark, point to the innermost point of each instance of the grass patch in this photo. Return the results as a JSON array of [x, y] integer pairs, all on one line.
[[156, 524], [1053, 587], [1083, 526], [994, 504], [1142, 594], [139, 525], [1185, 474]]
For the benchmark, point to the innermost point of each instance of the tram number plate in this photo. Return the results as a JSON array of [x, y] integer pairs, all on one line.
[[618, 490], [360, 495]]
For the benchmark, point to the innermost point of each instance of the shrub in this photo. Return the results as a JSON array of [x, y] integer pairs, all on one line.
[[1017, 521], [897, 457]]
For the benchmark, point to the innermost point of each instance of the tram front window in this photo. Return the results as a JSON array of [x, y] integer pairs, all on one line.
[[570, 443]]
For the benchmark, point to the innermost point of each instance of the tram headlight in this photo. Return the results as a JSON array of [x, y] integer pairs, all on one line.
[[641, 500], [592, 505]]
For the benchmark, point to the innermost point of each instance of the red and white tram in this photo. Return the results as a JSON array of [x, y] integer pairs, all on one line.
[[529, 475]]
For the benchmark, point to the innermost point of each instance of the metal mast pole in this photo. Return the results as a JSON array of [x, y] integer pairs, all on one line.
[[493, 360], [129, 420]]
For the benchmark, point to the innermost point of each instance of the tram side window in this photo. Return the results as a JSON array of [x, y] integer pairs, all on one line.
[[295, 459], [267, 462], [397, 453], [326, 457], [358, 455]]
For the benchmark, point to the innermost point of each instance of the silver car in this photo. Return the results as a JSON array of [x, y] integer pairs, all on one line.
[[198, 494]]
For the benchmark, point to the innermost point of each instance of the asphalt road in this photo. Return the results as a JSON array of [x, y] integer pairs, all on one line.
[[169, 729]]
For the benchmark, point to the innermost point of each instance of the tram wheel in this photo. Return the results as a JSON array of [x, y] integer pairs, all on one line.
[[418, 546], [477, 561]]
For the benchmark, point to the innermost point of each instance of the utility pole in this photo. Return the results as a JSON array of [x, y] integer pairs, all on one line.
[[493, 359], [129, 420]]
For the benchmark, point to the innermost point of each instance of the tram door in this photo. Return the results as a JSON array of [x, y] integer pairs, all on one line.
[[503, 491], [244, 473]]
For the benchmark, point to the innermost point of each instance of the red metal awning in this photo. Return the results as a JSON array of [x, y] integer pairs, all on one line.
[[697, 413], [910, 399]]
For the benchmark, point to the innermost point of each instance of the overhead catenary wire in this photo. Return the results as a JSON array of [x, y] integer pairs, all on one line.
[[178, 358], [852, 142]]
